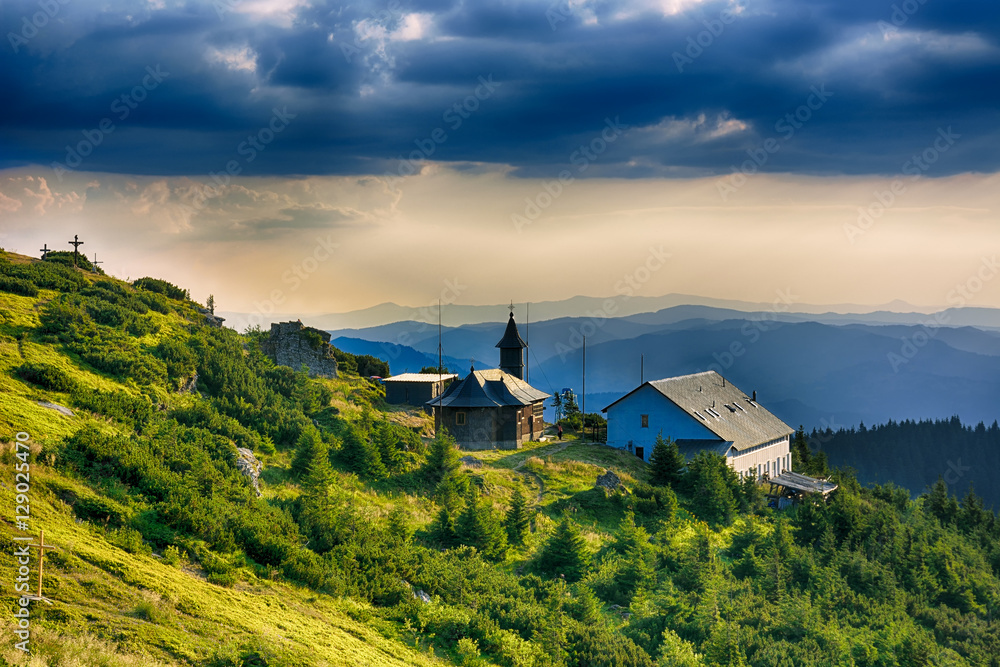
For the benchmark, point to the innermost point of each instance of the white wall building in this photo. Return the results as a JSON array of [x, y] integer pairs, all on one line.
[[701, 411]]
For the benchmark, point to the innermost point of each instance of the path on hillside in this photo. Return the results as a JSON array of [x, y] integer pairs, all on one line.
[[541, 483]]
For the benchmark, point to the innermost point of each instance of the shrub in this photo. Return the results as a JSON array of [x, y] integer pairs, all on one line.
[[130, 540], [46, 376], [161, 287], [108, 314], [142, 326], [58, 318], [172, 556], [148, 611], [18, 286]]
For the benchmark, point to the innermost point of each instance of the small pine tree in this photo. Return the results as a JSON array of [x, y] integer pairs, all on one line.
[[387, 442], [361, 455], [801, 456], [442, 457], [565, 553], [478, 527], [518, 519], [448, 495], [667, 462], [210, 303], [306, 446]]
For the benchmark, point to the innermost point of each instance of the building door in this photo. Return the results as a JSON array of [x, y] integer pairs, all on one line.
[[639, 453]]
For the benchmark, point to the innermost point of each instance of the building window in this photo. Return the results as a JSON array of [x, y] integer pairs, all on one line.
[[645, 420], [459, 419]]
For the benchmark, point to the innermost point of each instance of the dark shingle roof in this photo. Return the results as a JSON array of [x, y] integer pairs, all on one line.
[[511, 338], [488, 389], [723, 408]]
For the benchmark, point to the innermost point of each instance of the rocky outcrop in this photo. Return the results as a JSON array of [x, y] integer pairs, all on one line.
[[609, 481], [248, 464], [293, 344], [211, 319]]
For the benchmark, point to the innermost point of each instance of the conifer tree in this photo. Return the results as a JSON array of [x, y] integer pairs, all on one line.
[[361, 455], [565, 553], [448, 495], [478, 527], [666, 462], [801, 456], [387, 444], [442, 458], [518, 519], [321, 516], [308, 444]]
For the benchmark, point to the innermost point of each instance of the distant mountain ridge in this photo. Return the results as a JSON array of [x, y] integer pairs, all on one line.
[[835, 372], [620, 305]]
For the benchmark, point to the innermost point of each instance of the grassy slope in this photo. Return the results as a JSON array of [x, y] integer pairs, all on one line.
[[97, 587], [139, 610]]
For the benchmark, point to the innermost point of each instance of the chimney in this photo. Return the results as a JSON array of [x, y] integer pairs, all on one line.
[[754, 395]]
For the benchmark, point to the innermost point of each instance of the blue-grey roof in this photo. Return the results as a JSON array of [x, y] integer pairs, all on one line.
[[723, 408], [488, 389]]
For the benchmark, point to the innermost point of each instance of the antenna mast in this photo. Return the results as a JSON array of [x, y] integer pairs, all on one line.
[[583, 397]]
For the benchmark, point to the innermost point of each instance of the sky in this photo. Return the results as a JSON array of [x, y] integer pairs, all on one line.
[[301, 156]]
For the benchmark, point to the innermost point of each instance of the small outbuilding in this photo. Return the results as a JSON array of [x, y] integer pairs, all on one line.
[[415, 388]]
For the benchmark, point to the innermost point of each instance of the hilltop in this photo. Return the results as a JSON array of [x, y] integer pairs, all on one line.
[[372, 543]]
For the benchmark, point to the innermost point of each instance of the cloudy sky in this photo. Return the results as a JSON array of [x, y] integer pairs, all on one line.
[[310, 156]]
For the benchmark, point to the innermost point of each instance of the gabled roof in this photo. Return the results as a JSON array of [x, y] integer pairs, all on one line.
[[721, 407], [488, 389], [511, 338], [419, 377]]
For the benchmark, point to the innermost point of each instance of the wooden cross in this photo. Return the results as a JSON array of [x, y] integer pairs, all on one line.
[[95, 262], [41, 546], [76, 243], [45, 251]]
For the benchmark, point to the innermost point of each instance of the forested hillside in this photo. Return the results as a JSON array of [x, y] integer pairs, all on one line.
[[372, 543], [915, 454]]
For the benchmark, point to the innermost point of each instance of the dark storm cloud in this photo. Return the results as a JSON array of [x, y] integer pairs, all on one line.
[[368, 85]]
